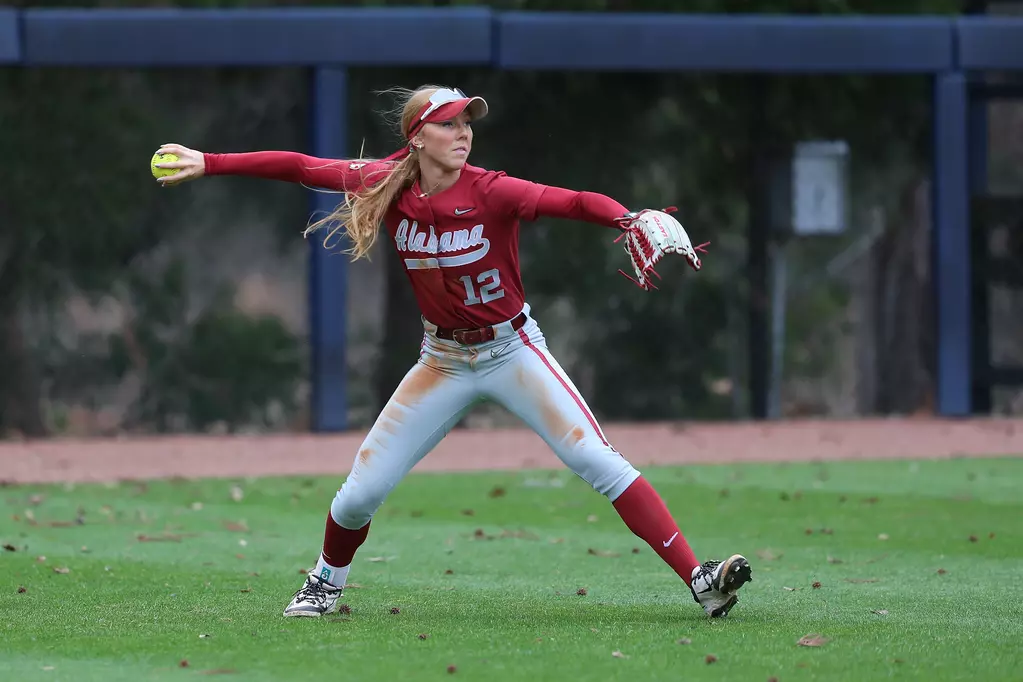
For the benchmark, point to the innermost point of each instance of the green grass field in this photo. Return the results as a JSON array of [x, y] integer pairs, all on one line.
[[909, 570]]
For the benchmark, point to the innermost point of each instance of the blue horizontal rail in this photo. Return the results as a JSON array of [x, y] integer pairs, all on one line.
[[10, 43], [985, 44], [509, 40], [543, 40], [257, 37]]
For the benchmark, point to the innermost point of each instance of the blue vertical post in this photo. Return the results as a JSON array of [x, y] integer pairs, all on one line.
[[951, 248], [328, 268]]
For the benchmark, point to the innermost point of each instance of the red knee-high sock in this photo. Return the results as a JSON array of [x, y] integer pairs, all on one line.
[[646, 515], [339, 544]]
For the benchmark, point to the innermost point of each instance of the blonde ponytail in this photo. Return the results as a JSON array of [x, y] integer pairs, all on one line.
[[362, 212]]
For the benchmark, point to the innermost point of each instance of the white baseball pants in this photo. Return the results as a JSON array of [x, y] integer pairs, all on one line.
[[515, 370]]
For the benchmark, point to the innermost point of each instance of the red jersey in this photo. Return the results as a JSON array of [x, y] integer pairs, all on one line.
[[459, 247]]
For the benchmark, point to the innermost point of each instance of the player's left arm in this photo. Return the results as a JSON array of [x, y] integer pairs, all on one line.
[[530, 200], [649, 235]]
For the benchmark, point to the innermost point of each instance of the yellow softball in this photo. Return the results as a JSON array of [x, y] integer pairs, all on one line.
[[163, 158]]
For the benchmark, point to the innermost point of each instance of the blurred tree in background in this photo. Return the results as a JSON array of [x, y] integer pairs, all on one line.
[[181, 349]]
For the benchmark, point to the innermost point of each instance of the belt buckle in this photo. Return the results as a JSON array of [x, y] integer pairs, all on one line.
[[470, 337]]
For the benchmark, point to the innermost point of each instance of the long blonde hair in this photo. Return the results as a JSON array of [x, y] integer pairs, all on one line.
[[362, 212]]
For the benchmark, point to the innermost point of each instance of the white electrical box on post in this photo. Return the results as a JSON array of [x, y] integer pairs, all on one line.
[[809, 196]]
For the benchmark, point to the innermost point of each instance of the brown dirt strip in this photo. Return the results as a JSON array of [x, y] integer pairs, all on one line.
[[195, 456]]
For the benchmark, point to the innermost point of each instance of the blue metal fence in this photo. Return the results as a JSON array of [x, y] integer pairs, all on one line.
[[329, 40]]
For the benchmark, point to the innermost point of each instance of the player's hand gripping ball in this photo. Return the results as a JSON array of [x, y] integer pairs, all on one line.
[[163, 158], [651, 235]]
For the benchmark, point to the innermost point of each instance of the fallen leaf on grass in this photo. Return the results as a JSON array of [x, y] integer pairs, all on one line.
[[451, 669], [10, 548], [602, 553], [556, 541], [22, 589], [468, 512], [834, 560], [768, 555], [423, 635], [816, 585], [219, 671], [449, 572], [64, 524], [635, 550], [710, 658], [812, 640], [63, 570], [496, 491], [942, 571], [881, 612], [344, 609], [183, 663], [827, 531], [395, 610], [247, 589], [618, 654], [165, 537], [235, 526], [581, 592], [878, 558], [973, 538]]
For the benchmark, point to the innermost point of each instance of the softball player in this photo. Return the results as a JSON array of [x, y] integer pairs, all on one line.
[[455, 229]]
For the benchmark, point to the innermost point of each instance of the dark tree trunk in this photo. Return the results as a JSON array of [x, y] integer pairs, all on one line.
[[20, 396]]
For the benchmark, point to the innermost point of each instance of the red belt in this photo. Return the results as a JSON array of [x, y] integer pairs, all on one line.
[[470, 337]]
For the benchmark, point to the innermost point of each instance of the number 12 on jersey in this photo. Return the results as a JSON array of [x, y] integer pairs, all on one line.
[[489, 290]]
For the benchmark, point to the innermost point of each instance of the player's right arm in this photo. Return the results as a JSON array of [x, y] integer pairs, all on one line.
[[333, 174]]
